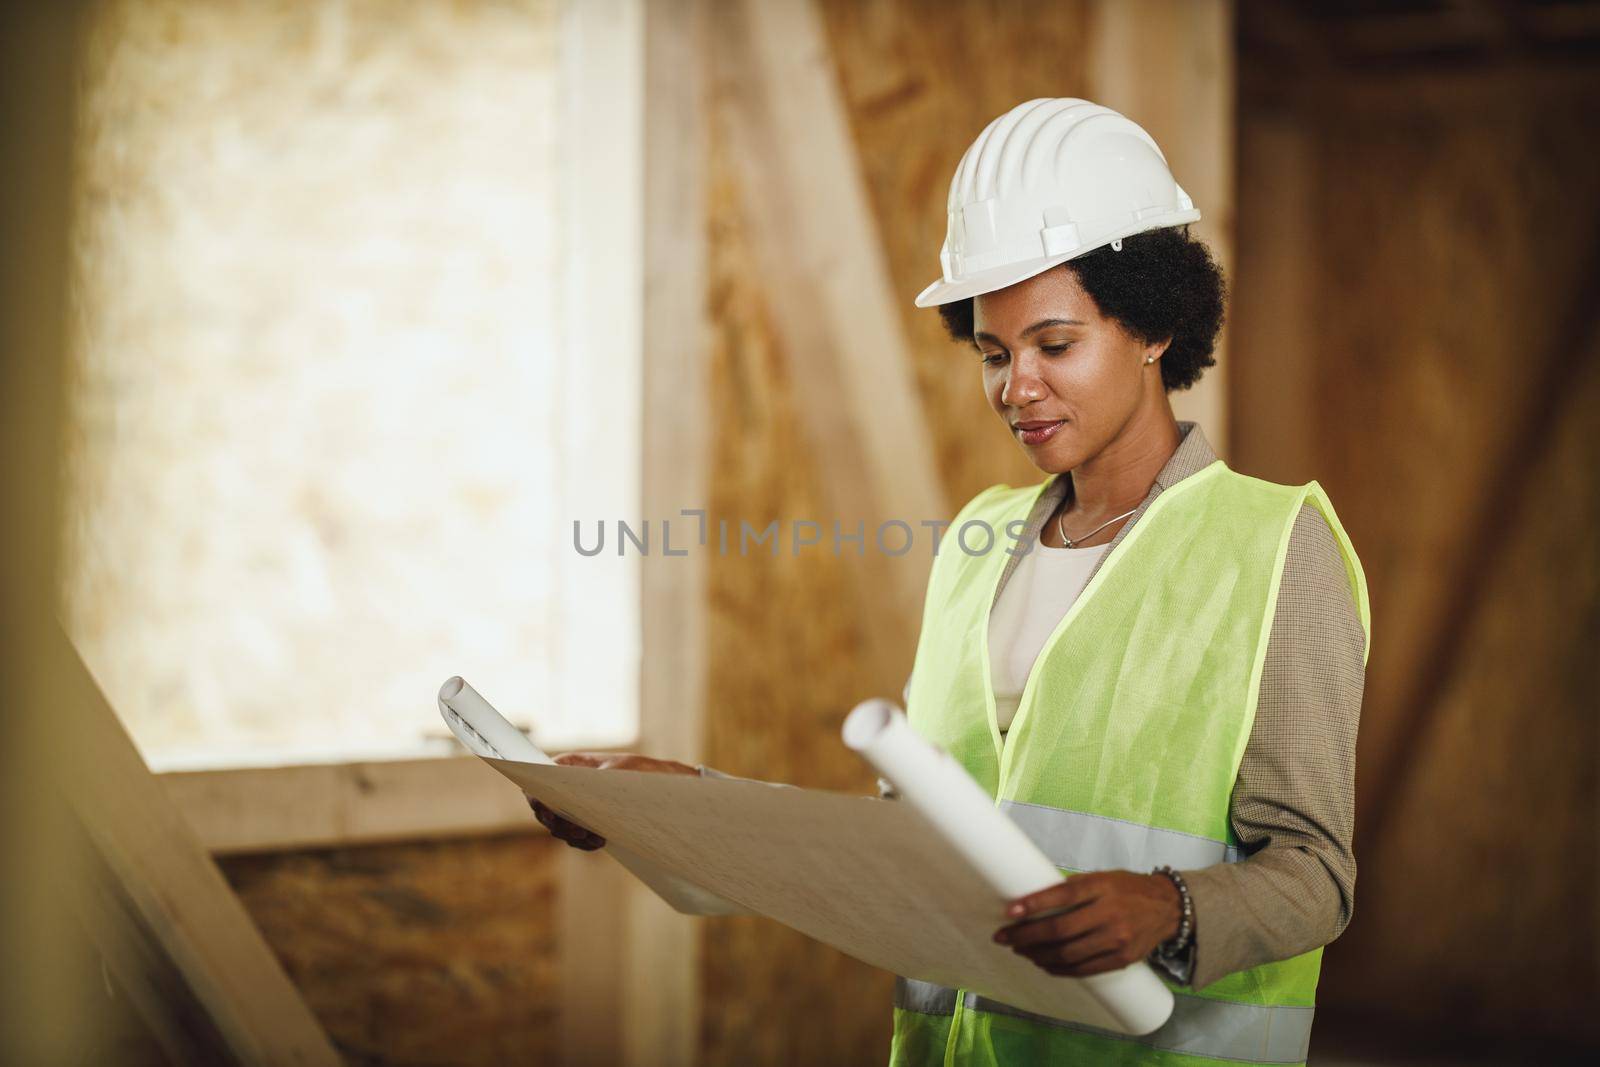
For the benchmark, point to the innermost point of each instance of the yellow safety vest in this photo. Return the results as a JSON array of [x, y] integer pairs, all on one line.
[[1124, 749]]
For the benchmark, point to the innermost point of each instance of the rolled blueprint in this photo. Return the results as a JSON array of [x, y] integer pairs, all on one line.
[[930, 780], [487, 734], [482, 729], [965, 815]]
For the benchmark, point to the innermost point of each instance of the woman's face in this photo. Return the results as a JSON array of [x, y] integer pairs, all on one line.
[[1065, 379]]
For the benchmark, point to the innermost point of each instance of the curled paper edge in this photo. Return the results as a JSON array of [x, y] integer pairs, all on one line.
[[488, 735]]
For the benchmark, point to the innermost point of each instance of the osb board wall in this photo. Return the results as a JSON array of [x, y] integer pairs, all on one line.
[[780, 682], [429, 953], [1446, 241], [921, 79], [782, 674]]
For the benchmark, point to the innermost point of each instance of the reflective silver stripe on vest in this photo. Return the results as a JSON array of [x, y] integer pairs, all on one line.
[[1083, 842], [1220, 1029], [924, 997]]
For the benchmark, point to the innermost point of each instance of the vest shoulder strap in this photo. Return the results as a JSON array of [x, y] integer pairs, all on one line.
[[1313, 494], [996, 500]]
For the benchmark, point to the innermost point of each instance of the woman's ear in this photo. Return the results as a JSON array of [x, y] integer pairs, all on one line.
[[1156, 349]]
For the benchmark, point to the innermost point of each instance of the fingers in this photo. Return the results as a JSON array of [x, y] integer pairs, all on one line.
[[1091, 947], [583, 759], [625, 761], [1079, 889], [1090, 924], [565, 829], [630, 761], [1102, 945], [580, 836], [1052, 928], [1103, 963]]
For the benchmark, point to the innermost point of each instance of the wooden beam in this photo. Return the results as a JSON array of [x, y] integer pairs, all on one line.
[[1460, 26], [1169, 66], [180, 908], [53, 1004], [140, 968], [677, 380], [828, 286], [595, 937], [324, 805], [1579, 20], [659, 951]]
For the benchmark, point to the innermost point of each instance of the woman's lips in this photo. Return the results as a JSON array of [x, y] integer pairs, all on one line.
[[1038, 431]]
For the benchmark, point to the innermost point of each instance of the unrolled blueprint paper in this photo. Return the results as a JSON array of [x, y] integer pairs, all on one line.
[[915, 888], [486, 733]]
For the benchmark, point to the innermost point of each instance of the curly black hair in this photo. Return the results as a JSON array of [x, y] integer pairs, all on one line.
[[1162, 284]]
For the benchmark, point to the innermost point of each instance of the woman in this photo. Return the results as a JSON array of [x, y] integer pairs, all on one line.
[[1161, 683]]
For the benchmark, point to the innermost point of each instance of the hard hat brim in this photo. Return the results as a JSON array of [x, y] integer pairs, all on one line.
[[943, 292], [946, 292]]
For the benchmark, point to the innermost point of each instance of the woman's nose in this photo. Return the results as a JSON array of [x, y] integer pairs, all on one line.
[[1022, 386]]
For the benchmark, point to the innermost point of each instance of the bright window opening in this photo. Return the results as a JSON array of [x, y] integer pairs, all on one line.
[[357, 339]]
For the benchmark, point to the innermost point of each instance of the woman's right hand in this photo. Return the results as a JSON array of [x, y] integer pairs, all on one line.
[[581, 837]]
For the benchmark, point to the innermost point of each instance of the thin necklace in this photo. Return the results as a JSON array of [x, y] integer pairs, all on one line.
[[1062, 530]]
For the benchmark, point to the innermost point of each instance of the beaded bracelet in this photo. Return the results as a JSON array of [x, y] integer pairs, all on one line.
[[1186, 924]]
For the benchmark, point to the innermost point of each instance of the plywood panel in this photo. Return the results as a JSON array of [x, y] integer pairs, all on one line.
[[816, 246], [782, 675], [419, 953], [922, 78], [1443, 250]]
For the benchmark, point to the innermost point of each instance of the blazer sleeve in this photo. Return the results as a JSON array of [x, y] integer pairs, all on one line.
[[1293, 804]]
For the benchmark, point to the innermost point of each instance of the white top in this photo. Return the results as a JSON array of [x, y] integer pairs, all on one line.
[[1044, 585]]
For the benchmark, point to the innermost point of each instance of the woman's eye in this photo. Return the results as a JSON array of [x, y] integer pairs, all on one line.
[[1056, 350], [993, 358]]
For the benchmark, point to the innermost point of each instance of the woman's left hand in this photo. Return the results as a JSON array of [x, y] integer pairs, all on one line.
[[1094, 922]]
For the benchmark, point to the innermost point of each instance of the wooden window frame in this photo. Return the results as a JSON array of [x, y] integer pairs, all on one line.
[[259, 809]]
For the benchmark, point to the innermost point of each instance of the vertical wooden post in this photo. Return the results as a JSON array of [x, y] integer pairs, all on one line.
[[661, 996], [1169, 66], [52, 1007], [594, 943]]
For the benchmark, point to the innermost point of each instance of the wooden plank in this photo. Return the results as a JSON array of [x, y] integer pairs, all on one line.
[[53, 1003], [141, 970], [1169, 66], [323, 805], [660, 955], [828, 287], [169, 881], [677, 415], [594, 936]]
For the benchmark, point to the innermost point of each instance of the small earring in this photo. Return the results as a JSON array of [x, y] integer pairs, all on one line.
[[1152, 359]]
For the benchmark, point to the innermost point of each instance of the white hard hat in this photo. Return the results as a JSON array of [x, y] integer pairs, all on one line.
[[1048, 181]]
